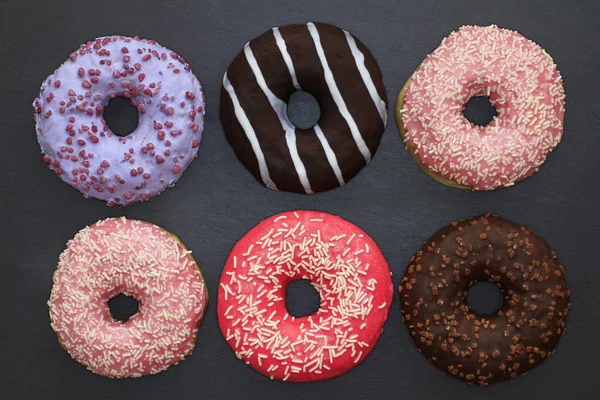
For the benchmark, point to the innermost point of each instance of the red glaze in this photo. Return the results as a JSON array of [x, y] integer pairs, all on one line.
[[343, 264]]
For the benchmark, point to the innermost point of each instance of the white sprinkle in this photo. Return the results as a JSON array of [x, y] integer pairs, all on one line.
[[351, 238]]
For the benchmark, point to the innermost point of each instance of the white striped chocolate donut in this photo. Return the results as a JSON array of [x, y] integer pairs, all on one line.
[[333, 66]]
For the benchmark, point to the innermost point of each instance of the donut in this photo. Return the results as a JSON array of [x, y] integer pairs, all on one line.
[[522, 83], [345, 267], [342, 75], [483, 349], [77, 143], [135, 258]]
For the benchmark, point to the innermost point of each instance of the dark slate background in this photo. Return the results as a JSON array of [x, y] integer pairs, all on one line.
[[217, 200]]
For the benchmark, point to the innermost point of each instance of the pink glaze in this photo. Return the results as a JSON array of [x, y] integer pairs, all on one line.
[[78, 145], [523, 84], [344, 265], [138, 259]]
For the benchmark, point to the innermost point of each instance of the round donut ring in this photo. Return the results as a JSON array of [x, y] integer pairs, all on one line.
[[78, 145], [333, 66], [483, 349], [522, 83], [343, 264], [135, 258]]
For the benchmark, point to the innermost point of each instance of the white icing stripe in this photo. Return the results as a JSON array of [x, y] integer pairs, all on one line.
[[337, 96], [286, 57], [279, 107], [250, 134], [330, 155], [359, 58]]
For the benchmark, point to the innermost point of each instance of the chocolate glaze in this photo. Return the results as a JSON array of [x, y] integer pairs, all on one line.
[[310, 75], [485, 349]]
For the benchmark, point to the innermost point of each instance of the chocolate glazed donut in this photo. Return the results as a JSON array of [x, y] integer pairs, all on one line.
[[342, 75], [485, 349]]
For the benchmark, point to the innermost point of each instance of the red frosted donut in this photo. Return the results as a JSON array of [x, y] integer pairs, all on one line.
[[522, 83], [346, 268], [138, 259]]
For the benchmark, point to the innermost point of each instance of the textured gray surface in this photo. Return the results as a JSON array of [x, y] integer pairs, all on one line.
[[217, 200]]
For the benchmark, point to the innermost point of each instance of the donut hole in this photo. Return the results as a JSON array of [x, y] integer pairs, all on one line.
[[303, 110], [122, 307], [121, 115], [484, 298], [301, 298], [479, 110]]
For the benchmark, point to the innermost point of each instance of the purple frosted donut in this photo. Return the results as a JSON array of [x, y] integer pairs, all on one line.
[[77, 143]]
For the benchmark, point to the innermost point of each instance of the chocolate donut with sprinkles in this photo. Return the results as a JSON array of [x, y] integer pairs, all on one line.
[[343, 264], [135, 258], [522, 83], [78, 145], [342, 75], [483, 349]]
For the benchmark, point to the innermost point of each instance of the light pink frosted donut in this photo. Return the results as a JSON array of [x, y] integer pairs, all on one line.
[[522, 83], [78, 145], [137, 259]]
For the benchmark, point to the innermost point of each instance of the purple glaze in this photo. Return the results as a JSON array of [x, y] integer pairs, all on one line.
[[78, 145]]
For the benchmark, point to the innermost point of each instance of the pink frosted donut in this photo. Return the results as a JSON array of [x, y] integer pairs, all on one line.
[[78, 145], [523, 85], [137, 259]]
